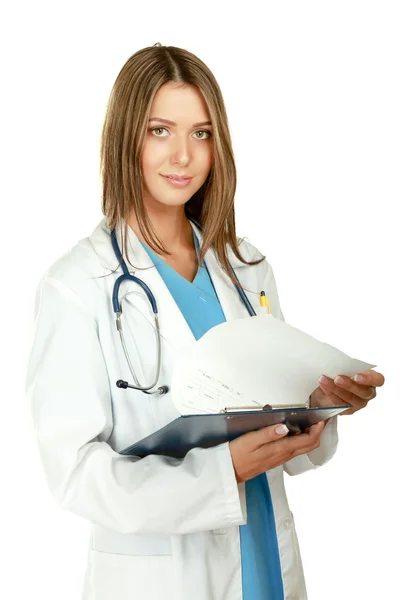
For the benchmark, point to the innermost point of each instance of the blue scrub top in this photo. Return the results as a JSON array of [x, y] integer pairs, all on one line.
[[261, 569]]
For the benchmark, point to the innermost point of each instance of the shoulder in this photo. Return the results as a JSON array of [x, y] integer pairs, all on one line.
[[76, 271], [76, 265], [250, 252]]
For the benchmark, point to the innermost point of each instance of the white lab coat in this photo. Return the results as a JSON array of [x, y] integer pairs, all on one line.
[[161, 527]]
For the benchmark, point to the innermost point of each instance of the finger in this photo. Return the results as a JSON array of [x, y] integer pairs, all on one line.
[[328, 399], [310, 438], [299, 443], [320, 424], [266, 435], [316, 429], [345, 396], [346, 385], [367, 392], [369, 378]]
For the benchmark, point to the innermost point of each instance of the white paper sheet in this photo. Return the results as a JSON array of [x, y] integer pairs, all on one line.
[[255, 361]]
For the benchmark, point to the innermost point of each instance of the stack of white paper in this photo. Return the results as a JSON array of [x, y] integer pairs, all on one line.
[[255, 361]]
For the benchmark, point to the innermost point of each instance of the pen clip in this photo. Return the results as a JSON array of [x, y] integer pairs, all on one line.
[[265, 302]]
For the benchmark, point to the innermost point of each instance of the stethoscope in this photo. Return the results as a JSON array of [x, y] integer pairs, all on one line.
[[126, 276]]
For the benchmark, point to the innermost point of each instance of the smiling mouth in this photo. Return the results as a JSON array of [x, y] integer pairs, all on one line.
[[177, 183], [177, 178]]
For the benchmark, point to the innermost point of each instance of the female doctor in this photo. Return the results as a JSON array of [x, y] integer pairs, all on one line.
[[216, 524]]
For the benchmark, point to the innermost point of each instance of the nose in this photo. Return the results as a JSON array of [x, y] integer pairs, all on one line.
[[180, 151]]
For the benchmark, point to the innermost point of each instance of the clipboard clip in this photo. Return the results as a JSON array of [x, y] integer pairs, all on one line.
[[258, 407]]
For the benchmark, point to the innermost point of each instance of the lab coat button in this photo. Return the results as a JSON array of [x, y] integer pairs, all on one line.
[[287, 525]]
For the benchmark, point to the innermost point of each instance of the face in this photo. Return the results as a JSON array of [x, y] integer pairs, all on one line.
[[180, 147]]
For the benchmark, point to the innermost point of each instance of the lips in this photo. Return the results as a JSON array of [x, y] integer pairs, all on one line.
[[180, 182], [177, 178]]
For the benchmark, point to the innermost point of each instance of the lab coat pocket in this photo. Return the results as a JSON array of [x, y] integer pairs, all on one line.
[[127, 577]]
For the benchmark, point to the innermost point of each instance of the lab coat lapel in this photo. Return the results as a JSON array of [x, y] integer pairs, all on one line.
[[228, 295]]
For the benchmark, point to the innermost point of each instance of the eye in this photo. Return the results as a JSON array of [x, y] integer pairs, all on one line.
[[204, 131], [158, 129], [209, 134]]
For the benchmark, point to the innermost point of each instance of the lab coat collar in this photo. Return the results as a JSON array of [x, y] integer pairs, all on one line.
[[173, 326], [101, 239]]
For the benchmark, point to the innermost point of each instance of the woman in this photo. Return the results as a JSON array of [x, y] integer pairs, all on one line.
[[216, 524]]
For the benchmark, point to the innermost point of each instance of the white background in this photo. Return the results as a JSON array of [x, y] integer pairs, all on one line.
[[312, 94]]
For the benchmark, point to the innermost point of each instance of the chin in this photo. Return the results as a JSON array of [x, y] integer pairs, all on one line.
[[171, 198], [172, 202]]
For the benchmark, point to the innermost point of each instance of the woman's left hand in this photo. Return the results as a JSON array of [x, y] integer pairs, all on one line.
[[356, 391]]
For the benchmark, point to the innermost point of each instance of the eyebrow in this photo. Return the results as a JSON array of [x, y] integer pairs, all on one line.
[[172, 123]]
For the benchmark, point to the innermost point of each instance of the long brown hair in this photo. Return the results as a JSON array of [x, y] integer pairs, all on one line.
[[122, 138]]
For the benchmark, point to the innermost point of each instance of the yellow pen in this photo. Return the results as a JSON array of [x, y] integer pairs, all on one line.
[[265, 302]]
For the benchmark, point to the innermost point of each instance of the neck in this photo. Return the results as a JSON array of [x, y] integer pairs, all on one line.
[[170, 224]]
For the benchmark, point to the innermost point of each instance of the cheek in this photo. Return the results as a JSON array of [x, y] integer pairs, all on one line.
[[209, 160], [153, 156], [210, 157], [204, 161]]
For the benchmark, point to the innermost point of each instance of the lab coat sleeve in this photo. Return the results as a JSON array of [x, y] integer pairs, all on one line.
[[329, 437], [69, 395], [319, 456]]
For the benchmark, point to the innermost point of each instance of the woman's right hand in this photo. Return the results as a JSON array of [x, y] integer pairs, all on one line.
[[258, 451]]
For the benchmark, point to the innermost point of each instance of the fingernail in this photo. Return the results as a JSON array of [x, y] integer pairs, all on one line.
[[339, 380], [281, 429], [359, 378], [323, 379]]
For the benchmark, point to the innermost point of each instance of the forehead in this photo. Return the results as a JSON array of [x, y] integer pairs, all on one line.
[[181, 104]]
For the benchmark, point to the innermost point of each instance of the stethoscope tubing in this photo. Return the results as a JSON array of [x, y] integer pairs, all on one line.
[[126, 276]]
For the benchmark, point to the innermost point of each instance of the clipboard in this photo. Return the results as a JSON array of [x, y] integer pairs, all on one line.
[[204, 431]]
